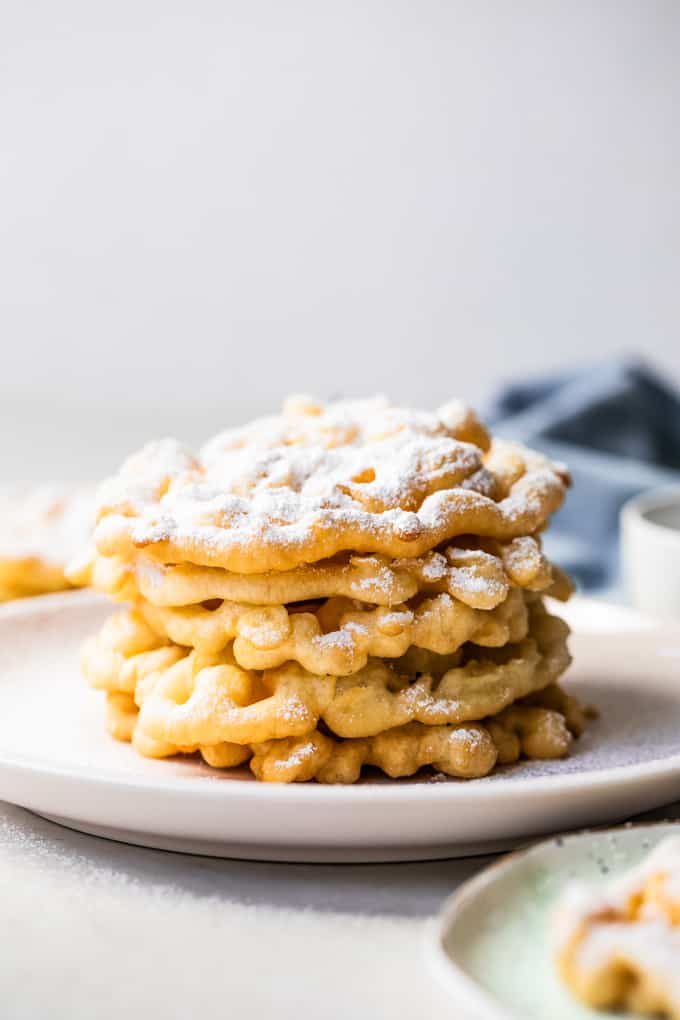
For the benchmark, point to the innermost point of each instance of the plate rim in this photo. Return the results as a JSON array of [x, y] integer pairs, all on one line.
[[421, 792]]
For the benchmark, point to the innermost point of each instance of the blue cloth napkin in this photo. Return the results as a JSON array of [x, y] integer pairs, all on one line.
[[617, 427]]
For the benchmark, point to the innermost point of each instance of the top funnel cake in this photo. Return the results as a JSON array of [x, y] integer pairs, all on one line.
[[318, 480]]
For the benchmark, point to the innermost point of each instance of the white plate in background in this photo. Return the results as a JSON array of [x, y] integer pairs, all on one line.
[[56, 758]]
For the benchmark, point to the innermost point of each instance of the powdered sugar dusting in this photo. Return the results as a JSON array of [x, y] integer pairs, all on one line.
[[312, 475]]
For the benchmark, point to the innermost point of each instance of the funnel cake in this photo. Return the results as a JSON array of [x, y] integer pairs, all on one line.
[[479, 577], [188, 697], [341, 586], [41, 528], [358, 476], [338, 635], [618, 948]]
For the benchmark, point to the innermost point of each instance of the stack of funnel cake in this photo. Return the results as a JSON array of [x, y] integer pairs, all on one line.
[[339, 586]]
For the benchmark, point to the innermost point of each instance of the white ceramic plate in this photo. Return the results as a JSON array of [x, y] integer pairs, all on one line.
[[491, 946], [57, 760]]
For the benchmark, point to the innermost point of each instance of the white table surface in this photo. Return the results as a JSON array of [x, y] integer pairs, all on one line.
[[94, 928]]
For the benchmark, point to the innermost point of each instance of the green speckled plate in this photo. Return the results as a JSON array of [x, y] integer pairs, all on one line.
[[491, 945]]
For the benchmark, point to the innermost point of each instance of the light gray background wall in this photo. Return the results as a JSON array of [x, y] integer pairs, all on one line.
[[205, 205]]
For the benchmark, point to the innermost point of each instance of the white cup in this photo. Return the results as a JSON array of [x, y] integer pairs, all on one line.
[[650, 547]]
